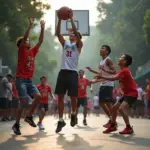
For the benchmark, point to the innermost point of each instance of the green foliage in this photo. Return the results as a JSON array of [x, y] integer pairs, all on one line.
[[122, 28], [146, 26], [13, 23]]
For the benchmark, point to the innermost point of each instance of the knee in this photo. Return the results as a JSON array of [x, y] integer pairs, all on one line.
[[38, 97]]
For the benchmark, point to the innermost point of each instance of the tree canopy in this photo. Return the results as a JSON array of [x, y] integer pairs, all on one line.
[[13, 23]]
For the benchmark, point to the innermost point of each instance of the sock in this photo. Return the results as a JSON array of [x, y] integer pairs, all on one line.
[[61, 119]]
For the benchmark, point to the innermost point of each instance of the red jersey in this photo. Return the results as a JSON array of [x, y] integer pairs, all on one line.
[[44, 90], [82, 86], [26, 60], [127, 83], [148, 92], [15, 93]]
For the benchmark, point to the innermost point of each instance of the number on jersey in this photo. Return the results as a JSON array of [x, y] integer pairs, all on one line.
[[69, 53], [29, 64]]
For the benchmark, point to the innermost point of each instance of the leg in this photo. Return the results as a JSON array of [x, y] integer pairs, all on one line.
[[42, 112], [124, 112], [61, 106], [73, 104], [105, 108]]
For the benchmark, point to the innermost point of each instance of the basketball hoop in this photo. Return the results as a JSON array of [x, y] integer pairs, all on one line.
[[70, 30]]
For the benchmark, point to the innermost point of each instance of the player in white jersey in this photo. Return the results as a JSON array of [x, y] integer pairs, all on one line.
[[67, 80], [106, 67]]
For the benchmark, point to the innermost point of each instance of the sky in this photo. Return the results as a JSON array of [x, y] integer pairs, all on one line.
[[73, 4]]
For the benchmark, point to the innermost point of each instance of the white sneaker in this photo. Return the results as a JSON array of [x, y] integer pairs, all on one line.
[[41, 126]]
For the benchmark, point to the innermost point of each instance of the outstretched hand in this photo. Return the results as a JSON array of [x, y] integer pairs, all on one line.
[[42, 22], [88, 68], [31, 20]]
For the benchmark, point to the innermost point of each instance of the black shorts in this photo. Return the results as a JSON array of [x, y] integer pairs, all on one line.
[[3, 103], [148, 103], [105, 94], [82, 102], [96, 107], [42, 105], [67, 81], [9, 103], [130, 100], [15, 103]]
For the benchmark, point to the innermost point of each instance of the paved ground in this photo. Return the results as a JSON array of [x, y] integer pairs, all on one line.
[[78, 138]]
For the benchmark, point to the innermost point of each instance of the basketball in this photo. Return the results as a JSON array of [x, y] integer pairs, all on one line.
[[63, 13]]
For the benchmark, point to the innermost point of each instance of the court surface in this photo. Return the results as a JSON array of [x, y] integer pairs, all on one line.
[[78, 138]]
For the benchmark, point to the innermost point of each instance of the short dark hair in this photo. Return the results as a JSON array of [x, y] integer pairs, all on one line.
[[42, 77], [107, 48], [128, 59], [81, 70], [19, 41], [9, 76]]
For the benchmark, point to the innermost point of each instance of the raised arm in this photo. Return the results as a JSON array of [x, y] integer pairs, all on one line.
[[26, 35], [58, 34], [79, 42], [41, 37]]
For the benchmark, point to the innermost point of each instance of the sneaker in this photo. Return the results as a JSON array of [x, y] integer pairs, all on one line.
[[107, 124], [127, 130], [60, 125], [29, 120], [73, 121], [41, 126], [110, 129], [84, 122], [16, 129]]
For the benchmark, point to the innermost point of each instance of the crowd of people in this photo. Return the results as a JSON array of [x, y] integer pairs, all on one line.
[[20, 97]]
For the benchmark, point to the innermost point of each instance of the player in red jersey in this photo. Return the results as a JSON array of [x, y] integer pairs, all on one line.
[[148, 97], [45, 91], [130, 94], [24, 74], [83, 83]]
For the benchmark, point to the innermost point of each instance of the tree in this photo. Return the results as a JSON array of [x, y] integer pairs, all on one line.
[[122, 28], [13, 22], [146, 26]]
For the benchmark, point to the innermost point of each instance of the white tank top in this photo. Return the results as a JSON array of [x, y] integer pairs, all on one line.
[[103, 73], [70, 56]]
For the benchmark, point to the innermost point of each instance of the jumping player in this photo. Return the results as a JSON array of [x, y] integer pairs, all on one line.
[[67, 80], [106, 67], [45, 90], [25, 70], [129, 97], [83, 83]]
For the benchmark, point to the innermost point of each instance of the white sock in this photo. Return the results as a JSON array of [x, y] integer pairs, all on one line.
[[61, 119]]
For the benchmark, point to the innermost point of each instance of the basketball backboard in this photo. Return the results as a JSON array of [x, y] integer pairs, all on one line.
[[81, 19]]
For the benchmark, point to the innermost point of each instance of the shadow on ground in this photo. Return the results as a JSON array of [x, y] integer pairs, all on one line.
[[132, 140], [18, 144], [77, 143]]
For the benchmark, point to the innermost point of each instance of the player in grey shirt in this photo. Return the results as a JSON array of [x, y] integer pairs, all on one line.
[[5, 89]]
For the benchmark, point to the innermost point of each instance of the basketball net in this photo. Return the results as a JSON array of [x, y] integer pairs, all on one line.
[[70, 30]]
